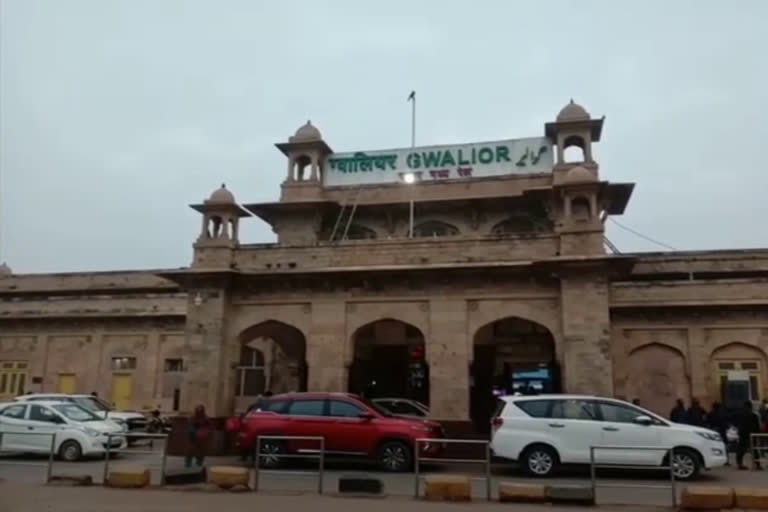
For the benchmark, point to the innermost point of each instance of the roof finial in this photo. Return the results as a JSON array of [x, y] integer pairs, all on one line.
[[223, 185], [571, 101]]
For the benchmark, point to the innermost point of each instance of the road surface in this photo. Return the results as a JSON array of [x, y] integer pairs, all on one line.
[[626, 487]]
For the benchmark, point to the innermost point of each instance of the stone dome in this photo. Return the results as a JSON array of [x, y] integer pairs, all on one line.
[[306, 132], [5, 270], [222, 196], [579, 174], [573, 112]]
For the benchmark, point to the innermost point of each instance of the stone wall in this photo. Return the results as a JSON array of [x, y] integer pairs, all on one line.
[[661, 355], [85, 350]]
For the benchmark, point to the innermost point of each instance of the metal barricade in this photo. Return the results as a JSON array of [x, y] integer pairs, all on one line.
[[51, 453], [320, 456], [125, 435], [418, 459], [593, 466], [758, 449]]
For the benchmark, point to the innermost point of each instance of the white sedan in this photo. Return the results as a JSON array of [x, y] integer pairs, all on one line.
[[29, 428]]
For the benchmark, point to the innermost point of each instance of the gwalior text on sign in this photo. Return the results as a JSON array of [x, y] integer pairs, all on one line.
[[519, 156]]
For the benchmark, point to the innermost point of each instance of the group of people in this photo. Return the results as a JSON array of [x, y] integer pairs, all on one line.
[[744, 419]]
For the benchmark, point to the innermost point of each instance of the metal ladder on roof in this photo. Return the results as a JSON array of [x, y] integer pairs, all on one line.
[[345, 217]]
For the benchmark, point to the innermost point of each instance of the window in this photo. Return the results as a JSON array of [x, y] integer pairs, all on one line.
[[573, 410], [76, 413], [434, 229], [40, 413], [535, 408], [14, 411], [398, 407], [307, 407], [13, 378], [751, 371], [123, 363], [619, 413], [174, 365], [519, 223], [251, 376], [357, 232], [345, 409]]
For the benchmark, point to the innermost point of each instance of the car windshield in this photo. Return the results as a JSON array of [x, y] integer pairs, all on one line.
[[376, 407], [91, 403], [76, 413]]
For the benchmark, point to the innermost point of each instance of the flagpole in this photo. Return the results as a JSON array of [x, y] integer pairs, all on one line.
[[412, 98]]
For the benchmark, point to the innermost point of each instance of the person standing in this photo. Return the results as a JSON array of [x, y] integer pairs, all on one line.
[[696, 414], [718, 421], [748, 423], [198, 434], [678, 414]]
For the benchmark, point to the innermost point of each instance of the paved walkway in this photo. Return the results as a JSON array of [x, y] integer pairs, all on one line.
[[31, 498]]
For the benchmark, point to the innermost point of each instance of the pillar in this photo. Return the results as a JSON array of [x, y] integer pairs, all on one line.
[[587, 365], [447, 353], [325, 347], [207, 372]]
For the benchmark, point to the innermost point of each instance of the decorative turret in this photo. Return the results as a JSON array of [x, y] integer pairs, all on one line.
[[221, 218], [574, 127]]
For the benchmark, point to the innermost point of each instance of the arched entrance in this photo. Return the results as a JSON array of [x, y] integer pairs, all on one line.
[[511, 355], [272, 358], [389, 361]]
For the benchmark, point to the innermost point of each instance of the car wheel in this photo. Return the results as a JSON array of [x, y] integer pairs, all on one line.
[[539, 461], [394, 456], [270, 453], [70, 451], [685, 464]]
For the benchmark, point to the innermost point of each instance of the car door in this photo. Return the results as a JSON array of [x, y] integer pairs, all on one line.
[[620, 428], [349, 433], [44, 423], [12, 428], [575, 425], [307, 417]]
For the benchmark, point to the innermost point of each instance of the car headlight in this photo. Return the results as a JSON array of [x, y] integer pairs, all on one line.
[[91, 432], [710, 436]]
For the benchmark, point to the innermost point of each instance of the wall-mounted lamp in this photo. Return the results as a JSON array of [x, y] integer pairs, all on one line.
[[198, 300]]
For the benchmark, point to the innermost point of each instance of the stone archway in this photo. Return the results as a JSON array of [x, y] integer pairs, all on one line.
[[272, 357], [389, 361], [657, 377], [511, 355]]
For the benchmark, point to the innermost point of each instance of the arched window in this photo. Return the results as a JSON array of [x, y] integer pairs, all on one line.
[[581, 209], [251, 379], [573, 149], [434, 229], [358, 232], [515, 224]]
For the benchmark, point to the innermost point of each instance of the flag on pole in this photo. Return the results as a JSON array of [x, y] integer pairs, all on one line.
[[412, 96]]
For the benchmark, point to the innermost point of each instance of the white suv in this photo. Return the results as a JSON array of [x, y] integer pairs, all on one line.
[[544, 431]]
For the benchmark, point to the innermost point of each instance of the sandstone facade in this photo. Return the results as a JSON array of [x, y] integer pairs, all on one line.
[[502, 271]]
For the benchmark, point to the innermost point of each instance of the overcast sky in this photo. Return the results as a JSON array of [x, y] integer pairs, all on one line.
[[118, 114]]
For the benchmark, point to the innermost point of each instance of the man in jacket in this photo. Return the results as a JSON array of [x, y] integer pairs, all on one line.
[[678, 414], [748, 423]]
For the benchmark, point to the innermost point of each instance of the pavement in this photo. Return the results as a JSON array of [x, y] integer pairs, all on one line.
[[643, 488], [36, 498]]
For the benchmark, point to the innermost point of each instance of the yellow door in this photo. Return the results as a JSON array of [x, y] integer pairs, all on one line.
[[66, 383], [122, 391]]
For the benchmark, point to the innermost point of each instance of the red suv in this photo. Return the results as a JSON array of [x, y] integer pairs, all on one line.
[[350, 425]]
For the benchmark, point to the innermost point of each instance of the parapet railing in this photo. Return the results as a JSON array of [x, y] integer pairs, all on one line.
[[594, 466], [418, 459], [51, 451], [320, 456], [130, 451]]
